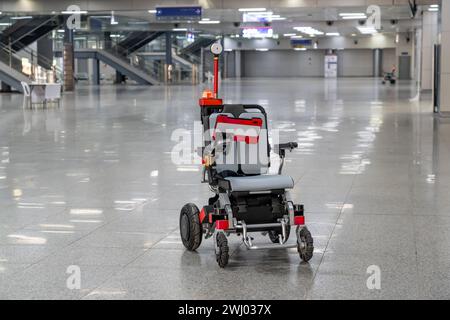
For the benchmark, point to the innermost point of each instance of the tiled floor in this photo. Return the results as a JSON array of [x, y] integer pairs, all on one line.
[[92, 185]]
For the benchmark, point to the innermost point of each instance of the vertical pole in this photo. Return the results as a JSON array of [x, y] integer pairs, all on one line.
[[216, 76], [10, 52], [68, 59], [168, 69]]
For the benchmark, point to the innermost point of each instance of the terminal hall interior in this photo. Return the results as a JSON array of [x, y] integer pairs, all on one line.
[[211, 149]]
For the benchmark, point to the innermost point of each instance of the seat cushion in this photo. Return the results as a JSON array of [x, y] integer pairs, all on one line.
[[260, 183]]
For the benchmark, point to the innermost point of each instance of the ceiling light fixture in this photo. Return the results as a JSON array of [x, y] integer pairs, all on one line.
[[209, 22], [251, 9], [362, 17], [21, 18], [262, 49], [351, 14], [151, 11], [309, 30], [74, 12], [289, 34], [331, 34], [366, 30], [179, 29]]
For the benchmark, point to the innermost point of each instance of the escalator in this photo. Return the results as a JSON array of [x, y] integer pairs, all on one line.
[[196, 46], [134, 41], [24, 32]]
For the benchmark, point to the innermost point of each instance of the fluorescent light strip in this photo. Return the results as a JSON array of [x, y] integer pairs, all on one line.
[[179, 29], [433, 9], [262, 49], [74, 12], [151, 11], [367, 30], [332, 34], [252, 9], [354, 17], [289, 35], [21, 17], [352, 14], [300, 49], [209, 22], [431, 6], [309, 30]]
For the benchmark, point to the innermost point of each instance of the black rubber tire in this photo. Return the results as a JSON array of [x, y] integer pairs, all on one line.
[[273, 234], [222, 253], [190, 227], [305, 245]]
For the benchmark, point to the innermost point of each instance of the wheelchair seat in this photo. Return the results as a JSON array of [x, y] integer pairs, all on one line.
[[260, 183]]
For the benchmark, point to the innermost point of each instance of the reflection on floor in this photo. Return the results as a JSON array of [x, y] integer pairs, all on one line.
[[93, 185]]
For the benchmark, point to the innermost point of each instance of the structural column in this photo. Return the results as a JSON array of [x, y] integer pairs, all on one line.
[[168, 68], [68, 59], [377, 62], [96, 71], [429, 39], [444, 91], [237, 63]]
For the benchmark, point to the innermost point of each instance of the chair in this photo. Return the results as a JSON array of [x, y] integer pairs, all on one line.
[[33, 96], [26, 93], [53, 92]]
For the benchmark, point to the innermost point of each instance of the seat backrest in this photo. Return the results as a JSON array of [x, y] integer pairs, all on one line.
[[26, 88], [246, 140]]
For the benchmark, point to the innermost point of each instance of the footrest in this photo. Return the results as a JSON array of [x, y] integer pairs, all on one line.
[[272, 246]]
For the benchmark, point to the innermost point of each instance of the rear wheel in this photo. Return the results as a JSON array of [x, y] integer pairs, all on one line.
[[305, 244], [190, 227], [222, 251]]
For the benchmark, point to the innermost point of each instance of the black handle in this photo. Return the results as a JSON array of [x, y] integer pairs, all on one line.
[[288, 145]]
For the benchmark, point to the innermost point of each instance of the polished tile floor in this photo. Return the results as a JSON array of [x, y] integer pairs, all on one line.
[[92, 185]]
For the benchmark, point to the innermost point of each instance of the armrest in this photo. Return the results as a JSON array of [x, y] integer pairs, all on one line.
[[282, 147], [288, 145]]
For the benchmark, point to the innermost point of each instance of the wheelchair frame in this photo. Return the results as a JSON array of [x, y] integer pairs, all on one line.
[[271, 212]]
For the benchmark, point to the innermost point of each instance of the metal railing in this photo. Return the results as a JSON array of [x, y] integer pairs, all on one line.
[[14, 60]]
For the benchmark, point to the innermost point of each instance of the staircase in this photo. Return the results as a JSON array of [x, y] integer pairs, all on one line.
[[134, 41], [24, 32]]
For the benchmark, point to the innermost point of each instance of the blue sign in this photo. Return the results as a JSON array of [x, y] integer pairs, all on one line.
[[178, 13], [301, 42]]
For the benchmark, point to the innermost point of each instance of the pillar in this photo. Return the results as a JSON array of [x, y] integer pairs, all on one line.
[[168, 48], [96, 71], [377, 62], [238, 63], [68, 59], [45, 52], [429, 39], [444, 91]]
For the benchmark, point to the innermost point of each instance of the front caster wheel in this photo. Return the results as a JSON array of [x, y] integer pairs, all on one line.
[[190, 227], [274, 234], [222, 254], [305, 244]]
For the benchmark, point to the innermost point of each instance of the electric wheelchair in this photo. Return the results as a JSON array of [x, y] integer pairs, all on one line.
[[246, 199]]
